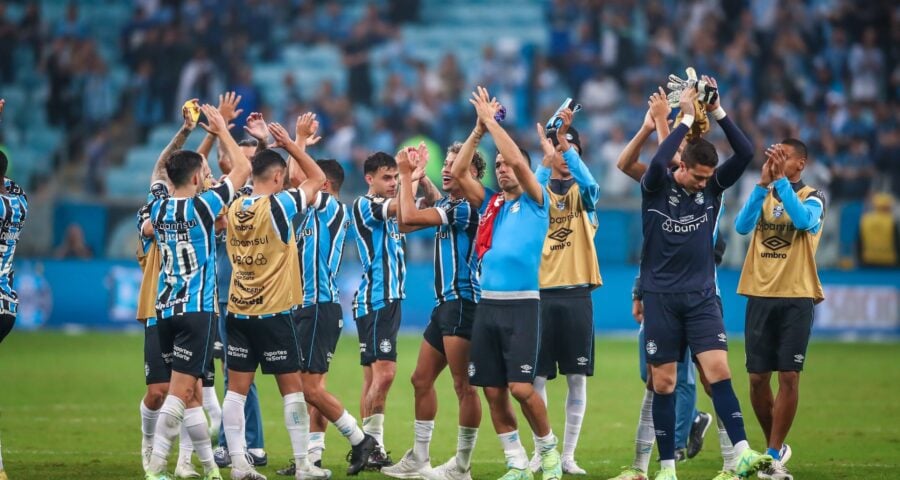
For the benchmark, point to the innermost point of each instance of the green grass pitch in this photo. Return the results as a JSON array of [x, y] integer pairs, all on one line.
[[69, 410]]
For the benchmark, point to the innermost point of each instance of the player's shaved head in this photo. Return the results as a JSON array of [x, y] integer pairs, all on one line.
[[266, 162], [334, 172], [4, 164], [700, 152], [182, 165]]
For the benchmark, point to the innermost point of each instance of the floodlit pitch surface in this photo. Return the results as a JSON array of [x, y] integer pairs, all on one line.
[[69, 410]]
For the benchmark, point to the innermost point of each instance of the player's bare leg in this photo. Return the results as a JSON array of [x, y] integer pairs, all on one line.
[[457, 349], [382, 377]]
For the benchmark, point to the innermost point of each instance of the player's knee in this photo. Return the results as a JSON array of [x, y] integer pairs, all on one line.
[[463, 388], [788, 381], [521, 391], [758, 381], [664, 384], [421, 382], [383, 378], [155, 397]]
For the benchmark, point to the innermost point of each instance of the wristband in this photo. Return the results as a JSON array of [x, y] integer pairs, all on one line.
[[687, 120], [718, 113]]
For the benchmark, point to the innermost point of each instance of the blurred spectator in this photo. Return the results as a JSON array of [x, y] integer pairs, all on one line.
[[200, 78], [8, 40], [879, 238], [356, 59], [867, 68], [97, 157], [853, 171], [32, 30], [73, 245], [72, 26]]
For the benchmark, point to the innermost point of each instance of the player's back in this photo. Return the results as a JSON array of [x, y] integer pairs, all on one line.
[[381, 251], [13, 210], [185, 234], [455, 258], [320, 240]]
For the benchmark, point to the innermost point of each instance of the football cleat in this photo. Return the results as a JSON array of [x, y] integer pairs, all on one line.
[[311, 472], [569, 467], [221, 457], [535, 463], [408, 467], [158, 476], [785, 453], [551, 465], [666, 474], [448, 471], [378, 460], [698, 431], [726, 475], [630, 473], [249, 474], [518, 474], [751, 462], [214, 474], [359, 454], [775, 471], [185, 469]]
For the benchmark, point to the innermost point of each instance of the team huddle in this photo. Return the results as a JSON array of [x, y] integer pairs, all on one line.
[[245, 267]]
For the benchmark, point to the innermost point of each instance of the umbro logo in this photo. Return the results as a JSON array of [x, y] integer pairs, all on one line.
[[244, 216], [560, 235], [798, 358], [776, 243], [471, 369], [581, 361], [723, 338], [526, 368]]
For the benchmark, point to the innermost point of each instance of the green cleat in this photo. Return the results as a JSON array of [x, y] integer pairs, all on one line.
[[551, 465], [518, 474], [725, 475], [630, 473], [750, 462], [159, 476], [213, 474], [666, 474]]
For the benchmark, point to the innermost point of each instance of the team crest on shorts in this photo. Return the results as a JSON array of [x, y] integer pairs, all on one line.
[[651, 347], [471, 369], [146, 369], [385, 346], [777, 211]]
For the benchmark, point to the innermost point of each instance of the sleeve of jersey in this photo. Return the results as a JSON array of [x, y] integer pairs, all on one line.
[[804, 215], [219, 196], [655, 176], [729, 172], [292, 202], [590, 190], [746, 219], [543, 174]]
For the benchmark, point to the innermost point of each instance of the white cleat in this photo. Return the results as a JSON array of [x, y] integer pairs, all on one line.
[[535, 463], [785, 453], [185, 469], [251, 474], [569, 467], [309, 471], [775, 471], [448, 471], [407, 467], [146, 452]]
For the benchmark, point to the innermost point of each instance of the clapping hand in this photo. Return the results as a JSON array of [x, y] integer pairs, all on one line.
[[256, 127], [306, 129]]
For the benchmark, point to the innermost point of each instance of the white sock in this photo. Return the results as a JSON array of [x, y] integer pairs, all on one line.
[[576, 402], [168, 425], [148, 422], [316, 445], [546, 443], [348, 427], [739, 448], [729, 459], [211, 405], [374, 426], [667, 464], [516, 457], [1, 454], [233, 424], [646, 435], [296, 419], [198, 430], [423, 430], [465, 443], [185, 445], [540, 387]]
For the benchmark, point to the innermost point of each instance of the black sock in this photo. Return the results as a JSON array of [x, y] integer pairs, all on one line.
[[664, 424], [729, 410]]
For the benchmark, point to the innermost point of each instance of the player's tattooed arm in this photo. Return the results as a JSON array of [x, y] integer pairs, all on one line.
[[188, 125], [409, 217], [216, 125], [471, 187], [315, 177]]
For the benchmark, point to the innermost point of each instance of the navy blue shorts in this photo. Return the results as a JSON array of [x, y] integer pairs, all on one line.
[[675, 321], [450, 319], [377, 332], [319, 329], [505, 342], [777, 333], [156, 370], [567, 340]]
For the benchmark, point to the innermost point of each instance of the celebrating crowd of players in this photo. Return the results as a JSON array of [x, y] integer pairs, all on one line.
[[255, 254]]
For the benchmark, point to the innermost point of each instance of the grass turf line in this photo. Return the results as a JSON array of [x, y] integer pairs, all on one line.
[[69, 410]]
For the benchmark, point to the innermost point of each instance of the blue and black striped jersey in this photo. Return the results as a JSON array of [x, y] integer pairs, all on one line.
[[185, 233], [381, 251], [13, 210], [320, 240], [455, 259]]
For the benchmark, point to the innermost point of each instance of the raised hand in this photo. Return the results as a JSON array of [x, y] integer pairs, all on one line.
[[566, 117], [256, 127], [215, 125], [711, 95], [187, 113], [659, 108], [688, 97], [776, 157], [228, 103], [546, 144], [281, 136], [306, 129], [404, 163], [421, 161], [485, 106]]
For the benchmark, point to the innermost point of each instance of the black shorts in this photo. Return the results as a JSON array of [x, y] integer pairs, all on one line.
[[567, 340], [319, 329], [209, 380], [450, 319], [155, 368], [675, 321], [777, 333], [378, 334], [269, 342], [186, 342], [505, 342], [7, 320]]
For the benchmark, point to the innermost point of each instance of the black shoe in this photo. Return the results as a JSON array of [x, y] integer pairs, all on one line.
[[359, 454], [378, 460], [698, 431], [258, 461], [288, 471], [680, 455], [317, 463], [220, 455]]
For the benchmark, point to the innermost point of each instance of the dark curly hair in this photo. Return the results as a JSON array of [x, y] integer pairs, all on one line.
[[477, 161]]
